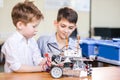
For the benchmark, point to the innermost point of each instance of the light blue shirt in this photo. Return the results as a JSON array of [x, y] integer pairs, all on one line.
[[49, 44]]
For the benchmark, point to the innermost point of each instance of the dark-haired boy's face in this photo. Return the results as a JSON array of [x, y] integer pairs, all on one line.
[[64, 28]]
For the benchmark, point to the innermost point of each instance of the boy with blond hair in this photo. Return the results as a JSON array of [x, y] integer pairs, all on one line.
[[20, 49]]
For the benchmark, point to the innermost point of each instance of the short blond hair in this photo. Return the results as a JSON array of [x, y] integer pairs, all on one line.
[[25, 12]]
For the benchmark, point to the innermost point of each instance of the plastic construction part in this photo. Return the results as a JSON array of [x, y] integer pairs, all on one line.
[[89, 70], [56, 72]]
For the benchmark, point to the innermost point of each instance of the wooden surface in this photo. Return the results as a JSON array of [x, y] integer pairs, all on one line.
[[101, 73]]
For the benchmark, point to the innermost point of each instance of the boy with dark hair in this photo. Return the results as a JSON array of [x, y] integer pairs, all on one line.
[[65, 25]]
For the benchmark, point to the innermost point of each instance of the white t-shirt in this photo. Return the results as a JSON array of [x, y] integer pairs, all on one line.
[[18, 51]]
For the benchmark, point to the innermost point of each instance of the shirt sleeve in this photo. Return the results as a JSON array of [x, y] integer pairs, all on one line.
[[39, 42], [37, 58], [9, 50], [42, 44]]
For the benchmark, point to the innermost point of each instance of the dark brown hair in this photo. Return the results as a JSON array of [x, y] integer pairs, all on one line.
[[68, 14]]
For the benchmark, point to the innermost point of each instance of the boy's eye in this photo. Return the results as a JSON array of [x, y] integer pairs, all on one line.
[[63, 26], [34, 26], [70, 27]]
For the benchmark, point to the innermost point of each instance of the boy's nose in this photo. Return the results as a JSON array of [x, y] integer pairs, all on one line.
[[66, 33], [66, 30], [36, 30]]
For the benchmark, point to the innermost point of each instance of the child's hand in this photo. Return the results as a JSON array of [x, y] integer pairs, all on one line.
[[43, 65], [46, 63]]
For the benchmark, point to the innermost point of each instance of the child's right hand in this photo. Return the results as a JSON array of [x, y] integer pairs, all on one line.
[[43, 65], [48, 59], [46, 62]]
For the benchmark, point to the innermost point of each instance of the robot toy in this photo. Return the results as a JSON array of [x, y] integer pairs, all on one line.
[[68, 63]]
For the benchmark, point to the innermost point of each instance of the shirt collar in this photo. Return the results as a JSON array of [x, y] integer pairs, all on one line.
[[20, 37], [54, 41]]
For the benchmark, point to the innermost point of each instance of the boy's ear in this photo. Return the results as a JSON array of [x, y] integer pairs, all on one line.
[[19, 25], [75, 27], [55, 23]]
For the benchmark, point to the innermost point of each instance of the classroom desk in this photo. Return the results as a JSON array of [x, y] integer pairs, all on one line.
[[101, 73]]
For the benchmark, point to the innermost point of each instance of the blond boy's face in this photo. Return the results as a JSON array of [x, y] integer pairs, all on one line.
[[30, 29], [64, 28]]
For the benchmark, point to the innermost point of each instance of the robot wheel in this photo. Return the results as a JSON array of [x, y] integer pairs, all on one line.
[[56, 72]]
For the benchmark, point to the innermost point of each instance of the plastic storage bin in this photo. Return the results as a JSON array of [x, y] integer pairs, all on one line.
[[109, 50], [88, 47]]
